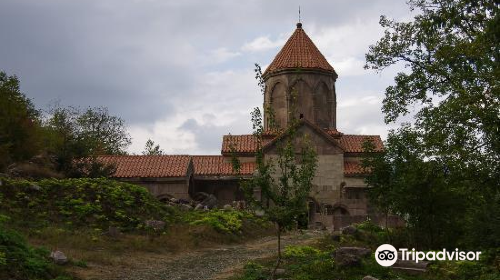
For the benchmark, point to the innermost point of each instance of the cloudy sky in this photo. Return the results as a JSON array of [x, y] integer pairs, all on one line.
[[181, 72]]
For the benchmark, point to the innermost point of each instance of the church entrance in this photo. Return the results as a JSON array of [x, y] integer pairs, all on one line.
[[340, 218]]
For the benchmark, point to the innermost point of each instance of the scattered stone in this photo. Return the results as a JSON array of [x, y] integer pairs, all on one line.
[[199, 206], [174, 200], [368, 277], [260, 213], [58, 257], [350, 256], [156, 225], [183, 201], [349, 230], [185, 207], [34, 187], [210, 201], [280, 271], [228, 207]]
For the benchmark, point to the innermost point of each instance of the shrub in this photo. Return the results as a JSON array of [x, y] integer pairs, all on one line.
[[21, 261], [301, 251], [96, 203], [220, 220]]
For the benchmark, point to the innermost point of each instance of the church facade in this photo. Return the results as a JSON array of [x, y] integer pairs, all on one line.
[[299, 81]]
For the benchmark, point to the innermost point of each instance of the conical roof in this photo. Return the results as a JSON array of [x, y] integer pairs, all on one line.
[[299, 52]]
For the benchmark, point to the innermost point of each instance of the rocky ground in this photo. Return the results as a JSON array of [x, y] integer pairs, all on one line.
[[214, 263]]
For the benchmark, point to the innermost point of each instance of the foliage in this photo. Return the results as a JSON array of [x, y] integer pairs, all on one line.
[[19, 261], [284, 179], [223, 221], [442, 172], [151, 150], [300, 251], [20, 132], [315, 263], [421, 190], [72, 203], [77, 137]]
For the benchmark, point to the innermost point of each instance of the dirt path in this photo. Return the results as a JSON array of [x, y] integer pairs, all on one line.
[[215, 263]]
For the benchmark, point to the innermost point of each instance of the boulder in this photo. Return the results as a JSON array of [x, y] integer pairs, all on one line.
[[174, 200], [183, 201], [260, 213], [34, 187], [228, 207], [349, 230], [185, 207], [58, 257], [350, 256], [199, 206], [280, 271], [368, 277], [210, 202]]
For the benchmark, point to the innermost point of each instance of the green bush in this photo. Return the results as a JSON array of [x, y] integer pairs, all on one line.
[[300, 252], [253, 271], [96, 203], [21, 261], [223, 221]]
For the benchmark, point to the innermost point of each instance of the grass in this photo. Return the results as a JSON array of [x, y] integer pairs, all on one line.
[[74, 215], [315, 262]]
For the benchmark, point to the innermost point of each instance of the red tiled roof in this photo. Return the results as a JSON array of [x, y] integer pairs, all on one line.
[[299, 52], [353, 168], [246, 143], [354, 143], [219, 166], [349, 143], [334, 133], [148, 166]]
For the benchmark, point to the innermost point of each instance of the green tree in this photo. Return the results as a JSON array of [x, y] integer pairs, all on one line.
[[283, 179], [19, 123], [77, 138], [421, 190], [450, 52], [151, 150]]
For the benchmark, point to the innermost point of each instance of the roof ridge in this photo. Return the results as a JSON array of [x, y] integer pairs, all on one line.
[[361, 135], [299, 51]]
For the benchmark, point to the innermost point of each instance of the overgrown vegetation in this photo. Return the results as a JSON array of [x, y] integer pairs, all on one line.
[[62, 142], [441, 171], [73, 203], [99, 220], [19, 261], [316, 262]]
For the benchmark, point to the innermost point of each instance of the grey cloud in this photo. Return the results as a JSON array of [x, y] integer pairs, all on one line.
[[142, 58]]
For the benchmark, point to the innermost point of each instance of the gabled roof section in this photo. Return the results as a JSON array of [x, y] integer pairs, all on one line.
[[299, 52], [313, 127], [247, 144], [352, 169], [219, 166], [164, 166], [354, 143], [242, 144]]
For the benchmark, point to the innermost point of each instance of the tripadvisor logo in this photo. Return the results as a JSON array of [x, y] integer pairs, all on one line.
[[387, 255]]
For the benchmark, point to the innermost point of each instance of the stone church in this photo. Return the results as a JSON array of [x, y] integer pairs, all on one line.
[[339, 195]]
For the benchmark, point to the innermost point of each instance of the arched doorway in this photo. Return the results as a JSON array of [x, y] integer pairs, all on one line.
[[313, 208], [340, 216]]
